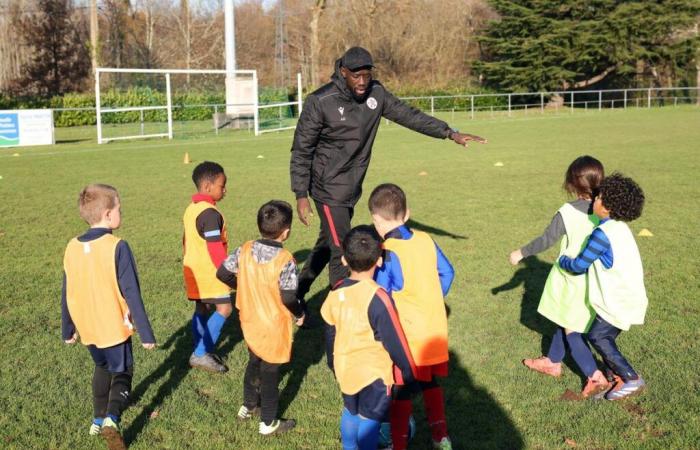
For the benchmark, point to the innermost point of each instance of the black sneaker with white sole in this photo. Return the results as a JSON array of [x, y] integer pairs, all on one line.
[[277, 426]]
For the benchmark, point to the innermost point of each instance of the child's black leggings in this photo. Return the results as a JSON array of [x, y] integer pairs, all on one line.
[[260, 387], [110, 391]]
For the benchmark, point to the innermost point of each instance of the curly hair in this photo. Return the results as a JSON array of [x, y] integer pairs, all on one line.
[[622, 197]]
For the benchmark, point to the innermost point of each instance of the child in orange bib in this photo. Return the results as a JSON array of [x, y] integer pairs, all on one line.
[[205, 247], [366, 347], [266, 280], [101, 302], [418, 276]]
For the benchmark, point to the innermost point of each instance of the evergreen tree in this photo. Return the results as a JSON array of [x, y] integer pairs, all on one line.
[[572, 44], [60, 59]]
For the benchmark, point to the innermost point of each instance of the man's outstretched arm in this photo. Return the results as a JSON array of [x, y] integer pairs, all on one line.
[[416, 120]]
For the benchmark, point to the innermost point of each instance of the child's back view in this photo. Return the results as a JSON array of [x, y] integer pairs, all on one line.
[[418, 276], [564, 299], [266, 280], [101, 302], [615, 279]]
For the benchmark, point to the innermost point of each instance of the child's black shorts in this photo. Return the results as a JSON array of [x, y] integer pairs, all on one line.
[[372, 402]]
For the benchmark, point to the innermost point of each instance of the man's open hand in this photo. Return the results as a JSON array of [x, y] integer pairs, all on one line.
[[304, 210], [464, 138]]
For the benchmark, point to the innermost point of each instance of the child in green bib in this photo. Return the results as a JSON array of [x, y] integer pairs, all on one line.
[[564, 299], [615, 278]]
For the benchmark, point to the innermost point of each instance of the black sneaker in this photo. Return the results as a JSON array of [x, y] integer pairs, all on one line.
[[207, 362], [277, 426]]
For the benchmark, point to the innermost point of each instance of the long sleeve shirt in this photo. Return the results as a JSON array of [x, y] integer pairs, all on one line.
[[597, 247], [263, 251], [210, 226], [129, 286], [382, 317], [554, 231], [390, 275]]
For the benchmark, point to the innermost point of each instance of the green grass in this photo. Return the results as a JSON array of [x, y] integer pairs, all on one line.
[[478, 213]]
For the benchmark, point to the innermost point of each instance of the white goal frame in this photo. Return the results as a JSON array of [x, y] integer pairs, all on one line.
[[169, 106]]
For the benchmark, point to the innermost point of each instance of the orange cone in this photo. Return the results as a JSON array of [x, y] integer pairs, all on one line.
[[186, 159]]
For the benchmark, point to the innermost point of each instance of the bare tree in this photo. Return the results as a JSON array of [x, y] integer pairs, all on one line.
[[315, 45]]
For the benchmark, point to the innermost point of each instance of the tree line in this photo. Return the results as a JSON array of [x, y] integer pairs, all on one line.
[[52, 46]]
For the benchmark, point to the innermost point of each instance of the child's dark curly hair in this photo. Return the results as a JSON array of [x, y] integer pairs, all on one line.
[[622, 197]]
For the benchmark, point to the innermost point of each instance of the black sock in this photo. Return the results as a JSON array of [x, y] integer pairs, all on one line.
[[101, 382], [119, 392]]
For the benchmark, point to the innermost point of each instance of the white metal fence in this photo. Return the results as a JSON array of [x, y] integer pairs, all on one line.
[[284, 115], [508, 103]]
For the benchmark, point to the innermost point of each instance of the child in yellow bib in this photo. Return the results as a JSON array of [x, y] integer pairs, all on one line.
[[615, 278], [564, 300], [205, 248], [365, 344], [418, 276], [265, 276], [101, 303]]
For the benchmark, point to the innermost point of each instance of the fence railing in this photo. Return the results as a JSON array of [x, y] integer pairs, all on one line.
[[585, 99], [149, 120]]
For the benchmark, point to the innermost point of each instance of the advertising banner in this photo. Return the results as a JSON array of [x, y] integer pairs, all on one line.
[[26, 127]]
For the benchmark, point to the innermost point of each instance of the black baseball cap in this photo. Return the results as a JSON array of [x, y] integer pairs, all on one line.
[[356, 58]]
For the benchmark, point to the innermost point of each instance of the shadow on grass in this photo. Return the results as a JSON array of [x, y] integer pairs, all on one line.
[[474, 417], [309, 347], [432, 230], [532, 275], [174, 369]]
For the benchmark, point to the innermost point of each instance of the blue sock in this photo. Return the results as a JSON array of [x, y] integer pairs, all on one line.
[[198, 323], [556, 348], [114, 418], [581, 353], [211, 335], [98, 421], [349, 425], [368, 434]]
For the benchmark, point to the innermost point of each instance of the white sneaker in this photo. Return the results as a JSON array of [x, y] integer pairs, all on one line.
[[95, 429], [244, 413]]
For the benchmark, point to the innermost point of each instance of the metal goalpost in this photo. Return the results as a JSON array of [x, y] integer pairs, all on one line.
[[247, 88]]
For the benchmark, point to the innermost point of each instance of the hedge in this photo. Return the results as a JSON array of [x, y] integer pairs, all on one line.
[[144, 96]]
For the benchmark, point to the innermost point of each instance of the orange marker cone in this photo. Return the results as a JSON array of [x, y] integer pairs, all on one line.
[[186, 159]]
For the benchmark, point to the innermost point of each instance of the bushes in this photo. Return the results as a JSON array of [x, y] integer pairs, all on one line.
[[189, 105]]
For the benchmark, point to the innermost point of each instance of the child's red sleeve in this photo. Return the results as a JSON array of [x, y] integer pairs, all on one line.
[[217, 252]]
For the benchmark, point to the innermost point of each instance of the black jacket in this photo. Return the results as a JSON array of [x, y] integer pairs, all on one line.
[[333, 139]]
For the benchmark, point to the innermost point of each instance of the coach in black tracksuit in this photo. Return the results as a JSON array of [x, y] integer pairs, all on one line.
[[332, 148]]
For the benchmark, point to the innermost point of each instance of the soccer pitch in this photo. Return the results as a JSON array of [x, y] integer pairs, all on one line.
[[476, 211]]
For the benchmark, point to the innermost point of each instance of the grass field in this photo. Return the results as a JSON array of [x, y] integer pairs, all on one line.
[[477, 212]]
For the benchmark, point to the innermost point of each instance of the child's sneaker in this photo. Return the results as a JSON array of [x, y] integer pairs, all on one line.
[[112, 433], [277, 426], [595, 385], [244, 413], [95, 429], [543, 365], [615, 383], [624, 389], [444, 444], [207, 362]]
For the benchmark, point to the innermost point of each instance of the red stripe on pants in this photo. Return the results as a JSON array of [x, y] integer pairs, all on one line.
[[331, 225]]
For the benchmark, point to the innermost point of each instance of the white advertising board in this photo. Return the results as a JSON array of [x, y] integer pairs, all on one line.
[[26, 127]]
